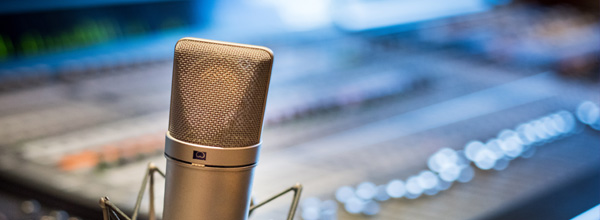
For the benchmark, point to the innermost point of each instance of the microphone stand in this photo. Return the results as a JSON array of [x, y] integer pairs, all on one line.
[[111, 212]]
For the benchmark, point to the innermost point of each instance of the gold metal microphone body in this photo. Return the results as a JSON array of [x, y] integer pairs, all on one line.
[[218, 99]]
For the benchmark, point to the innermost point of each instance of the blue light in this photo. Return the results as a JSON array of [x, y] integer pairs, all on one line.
[[569, 120], [450, 173], [354, 205], [472, 149], [466, 174], [485, 159], [366, 190], [371, 208], [510, 143], [413, 187], [526, 133], [344, 193], [588, 113], [396, 188], [427, 180], [501, 164], [382, 194]]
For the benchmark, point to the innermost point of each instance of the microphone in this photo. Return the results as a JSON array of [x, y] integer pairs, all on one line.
[[218, 98]]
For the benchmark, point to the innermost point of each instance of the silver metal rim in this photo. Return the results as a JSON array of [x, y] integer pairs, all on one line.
[[207, 156]]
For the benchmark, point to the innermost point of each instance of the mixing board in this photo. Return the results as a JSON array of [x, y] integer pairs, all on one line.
[[361, 120]]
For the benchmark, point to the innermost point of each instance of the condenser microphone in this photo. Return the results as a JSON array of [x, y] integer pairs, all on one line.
[[218, 99]]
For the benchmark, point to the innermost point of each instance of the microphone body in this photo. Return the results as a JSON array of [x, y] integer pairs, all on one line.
[[217, 108]]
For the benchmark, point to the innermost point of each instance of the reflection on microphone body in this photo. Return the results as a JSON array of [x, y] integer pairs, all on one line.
[[218, 100]]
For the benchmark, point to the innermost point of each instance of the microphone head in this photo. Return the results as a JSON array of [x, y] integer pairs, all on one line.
[[219, 92]]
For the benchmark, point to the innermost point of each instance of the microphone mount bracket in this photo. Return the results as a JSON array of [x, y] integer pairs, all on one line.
[[111, 212]]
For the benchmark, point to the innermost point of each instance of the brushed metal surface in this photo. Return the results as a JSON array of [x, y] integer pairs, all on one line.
[[206, 193], [213, 156]]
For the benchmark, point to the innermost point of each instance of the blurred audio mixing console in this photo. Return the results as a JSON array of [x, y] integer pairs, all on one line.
[[444, 121]]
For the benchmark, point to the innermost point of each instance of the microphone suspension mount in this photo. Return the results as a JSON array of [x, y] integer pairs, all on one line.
[[111, 212]]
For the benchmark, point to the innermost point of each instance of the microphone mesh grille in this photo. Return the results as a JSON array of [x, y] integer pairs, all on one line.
[[219, 93]]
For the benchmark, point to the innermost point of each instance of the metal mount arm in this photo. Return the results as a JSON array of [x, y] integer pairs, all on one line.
[[297, 191], [111, 211]]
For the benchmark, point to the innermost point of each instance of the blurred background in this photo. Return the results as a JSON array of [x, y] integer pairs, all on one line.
[[383, 109]]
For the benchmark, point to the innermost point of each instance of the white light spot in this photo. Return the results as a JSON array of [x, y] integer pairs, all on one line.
[[494, 146], [588, 112], [472, 149], [412, 196], [501, 164], [354, 205], [443, 185], [550, 126], [527, 133], [344, 193], [510, 143], [371, 208], [396, 188], [366, 190], [431, 192], [559, 122], [528, 153], [310, 202], [466, 174], [450, 173], [427, 180], [382, 194], [412, 186], [311, 213], [540, 130], [569, 120], [485, 159]]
